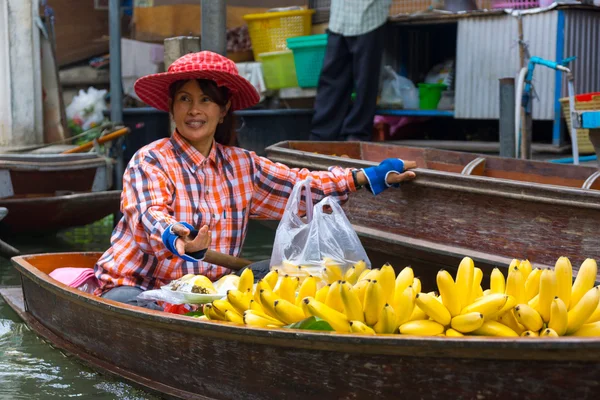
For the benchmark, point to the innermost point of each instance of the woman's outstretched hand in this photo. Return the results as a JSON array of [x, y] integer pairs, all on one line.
[[186, 244], [392, 177]]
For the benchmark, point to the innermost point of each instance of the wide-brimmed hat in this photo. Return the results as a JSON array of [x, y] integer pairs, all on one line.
[[154, 89]]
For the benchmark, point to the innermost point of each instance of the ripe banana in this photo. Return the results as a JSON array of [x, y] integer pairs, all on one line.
[[267, 301], [360, 267], [362, 275], [421, 328], [288, 312], [333, 273], [476, 290], [586, 277], [361, 328], [351, 304], [447, 289], [271, 278], [564, 279], [489, 305], [528, 317], [372, 274], [246, 281], [322, 293], [595, 317], [253, 318], [262, 284], [211, 313], [255, 306], [436, 310], [416, 285], [509, 319], [548, 332], [308, 288], [464, 280], [583, 310], [287, 288], [547, 293], [417, 314], [351, 276], [239, 300], [373, 303], [466, 323], [224, 305], [404, 304], [559, 317], [386, 323], [387, 279], [532, 284], [497, 282], [494, 328], [525, 268], [334, 297], [515, 285], [535, 302], [234, 317], [453, 333], [592, 329], [404, 279], [338, 321], [529, 334]]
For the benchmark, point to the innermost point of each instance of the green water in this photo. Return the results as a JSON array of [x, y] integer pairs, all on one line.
[[29, 367]]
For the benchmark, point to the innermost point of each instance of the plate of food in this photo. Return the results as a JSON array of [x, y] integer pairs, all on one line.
[[198, 289]]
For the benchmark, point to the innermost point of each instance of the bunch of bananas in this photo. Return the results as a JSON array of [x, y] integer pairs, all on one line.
[[377, 301]]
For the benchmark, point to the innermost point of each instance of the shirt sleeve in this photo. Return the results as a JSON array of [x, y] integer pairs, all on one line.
[[146, 204], [274, 182]]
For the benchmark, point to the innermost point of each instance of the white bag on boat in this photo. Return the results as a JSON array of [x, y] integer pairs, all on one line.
[[307, 245]]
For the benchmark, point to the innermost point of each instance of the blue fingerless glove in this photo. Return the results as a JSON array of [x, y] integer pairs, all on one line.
[[169, 238], [377, 175]]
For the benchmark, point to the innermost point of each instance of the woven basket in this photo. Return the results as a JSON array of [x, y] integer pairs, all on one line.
[[583, 135]]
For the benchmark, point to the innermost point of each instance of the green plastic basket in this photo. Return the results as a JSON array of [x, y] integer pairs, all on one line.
[[430, 94], [278, 69], [309, 53]]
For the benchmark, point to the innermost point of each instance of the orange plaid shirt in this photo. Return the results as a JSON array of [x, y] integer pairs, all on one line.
[[169, 181]]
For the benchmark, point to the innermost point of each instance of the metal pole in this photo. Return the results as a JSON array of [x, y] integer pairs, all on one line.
[[507, 117], [213, 28], [116, 88]]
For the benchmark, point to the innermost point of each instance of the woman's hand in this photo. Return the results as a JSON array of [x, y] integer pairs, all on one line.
[[186, 244], [392, 177]]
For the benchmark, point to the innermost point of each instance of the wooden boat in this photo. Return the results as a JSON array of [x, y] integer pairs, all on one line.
[[490, 208], [186, 358], [48, 192]]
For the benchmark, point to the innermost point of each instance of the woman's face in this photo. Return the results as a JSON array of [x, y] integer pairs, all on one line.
[[196, 115]]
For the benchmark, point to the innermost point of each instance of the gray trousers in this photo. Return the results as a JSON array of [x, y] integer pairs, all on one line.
[[128, 294]]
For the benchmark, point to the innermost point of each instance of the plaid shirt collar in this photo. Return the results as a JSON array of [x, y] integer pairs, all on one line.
[[190, 154]]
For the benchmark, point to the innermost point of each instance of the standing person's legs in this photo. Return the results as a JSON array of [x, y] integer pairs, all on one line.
[[333, 93], [367, 52]]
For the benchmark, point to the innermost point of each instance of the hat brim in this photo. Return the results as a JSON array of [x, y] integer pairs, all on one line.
[[154, 89]]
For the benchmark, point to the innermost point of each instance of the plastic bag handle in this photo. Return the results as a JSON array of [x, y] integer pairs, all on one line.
[[296, 196], [327, 201]]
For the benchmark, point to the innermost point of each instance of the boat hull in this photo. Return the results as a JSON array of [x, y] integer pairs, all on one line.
[[187, 358]]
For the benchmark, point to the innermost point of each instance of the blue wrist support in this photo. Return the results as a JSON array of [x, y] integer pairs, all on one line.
[[169, 238], [377, 175]]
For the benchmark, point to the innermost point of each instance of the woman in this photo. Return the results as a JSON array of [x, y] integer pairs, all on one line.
[[196, 179]]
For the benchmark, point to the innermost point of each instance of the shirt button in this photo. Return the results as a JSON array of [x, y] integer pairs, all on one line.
[[208, 191]]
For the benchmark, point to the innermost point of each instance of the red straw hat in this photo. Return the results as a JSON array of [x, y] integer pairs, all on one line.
[[154, 89]]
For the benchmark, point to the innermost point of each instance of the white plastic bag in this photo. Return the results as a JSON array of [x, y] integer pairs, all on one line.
[[398, 91], [322, 238], [87, 107]]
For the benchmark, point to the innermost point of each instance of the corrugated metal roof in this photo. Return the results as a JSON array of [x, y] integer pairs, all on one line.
[[582, 39]]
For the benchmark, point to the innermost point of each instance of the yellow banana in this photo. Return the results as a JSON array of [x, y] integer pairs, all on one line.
[[453, 333], [525, 268], [595, 317], [288, 312], [262, 284], [447, 289], [360, 267], [476, 290], [267, 301], [494, 328], [255, 306], [211, 313], [559, 317], [436, 310], [387, 280], [547, 293], [322, 293], [529, 334], [511, 302], [234, 317], [246, 281], [253, 319], [528, 317], [515, 285], [564, 279], [307, 289], [333, 273], [362, 275], [361, 328], [466, 323], [271, 278], [338, 321], [372, 274], [351, 276], [239, 300], [404, 304], [487, 292], [351, 304], [489, 305], [421, 328], [509, 319], [583, 310], [549, 332], [535, 302], [586, 277], [287, 288], [404, 279], [497, 282], [532, 284], [592, 329], [386, 323], [417, 314], [224, 305], [416, 285], [334, 297], [373, 303], [464, 280]]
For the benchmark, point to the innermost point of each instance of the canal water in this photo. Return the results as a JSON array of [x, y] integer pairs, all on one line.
[[32, 369]]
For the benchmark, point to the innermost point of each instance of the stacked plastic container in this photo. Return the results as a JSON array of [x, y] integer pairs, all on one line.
[[309, 53]]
